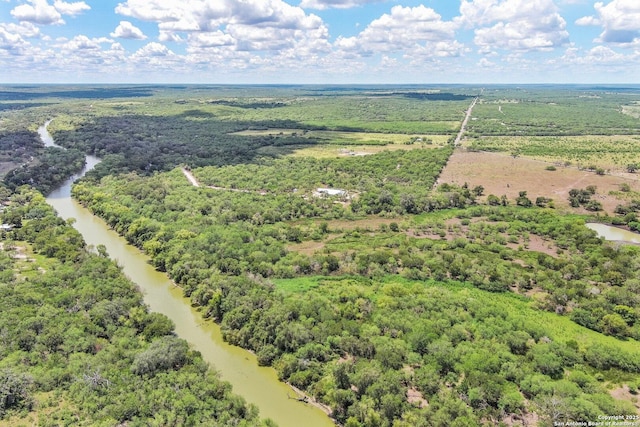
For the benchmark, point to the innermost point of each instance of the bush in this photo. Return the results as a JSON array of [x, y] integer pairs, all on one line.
[[266, 355], [593, 206], [14, 391], [164, 353]]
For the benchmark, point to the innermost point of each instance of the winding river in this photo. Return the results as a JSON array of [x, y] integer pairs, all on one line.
[[258, 385]]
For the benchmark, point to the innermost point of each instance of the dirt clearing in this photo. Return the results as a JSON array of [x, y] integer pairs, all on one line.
[[503, 174]]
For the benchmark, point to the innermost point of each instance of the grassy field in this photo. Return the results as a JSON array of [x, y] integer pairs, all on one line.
[[632, 110], [610, 152], [334, 144], [556, 327], [354, 138]]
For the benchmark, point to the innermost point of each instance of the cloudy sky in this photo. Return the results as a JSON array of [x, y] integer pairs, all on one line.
[[320, 41]]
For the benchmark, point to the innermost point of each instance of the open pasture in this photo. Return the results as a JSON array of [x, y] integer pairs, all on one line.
[[503, 174], [632, 110], [328, 151], [353, 138], [333, 144], [609, 152]]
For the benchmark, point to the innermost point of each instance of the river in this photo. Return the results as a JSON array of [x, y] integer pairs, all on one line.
[[258, 385]]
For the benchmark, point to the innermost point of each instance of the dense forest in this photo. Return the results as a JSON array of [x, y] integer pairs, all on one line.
[[365, 281], [79, 345], [229, 252], [28, 162]]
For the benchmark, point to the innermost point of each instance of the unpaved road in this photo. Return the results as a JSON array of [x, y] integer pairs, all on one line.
[[465, 121], [192, 179]]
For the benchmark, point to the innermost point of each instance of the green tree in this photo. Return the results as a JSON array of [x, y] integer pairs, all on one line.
[[14, 391], [164, 353]]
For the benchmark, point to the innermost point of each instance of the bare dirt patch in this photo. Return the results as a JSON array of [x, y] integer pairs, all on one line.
[[539, 244], [307, 248], [623, 393], [501, 174], [527, 419], [414, 397]]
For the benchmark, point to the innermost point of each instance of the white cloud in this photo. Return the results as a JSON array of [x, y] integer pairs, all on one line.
[[243, 25], [151, 10], [520, 37], [588, 20], [170, 36], [153, 49], [11, 42], [84, 43], [620, 20], [335, 4], [405, 28], [600, 58], [155, 57], [72, 9], [126, 30], [603, 54], [23, 29], [41, 12], [203, 15], [485, 63], [211, 39], [37, 12], [519, 25]]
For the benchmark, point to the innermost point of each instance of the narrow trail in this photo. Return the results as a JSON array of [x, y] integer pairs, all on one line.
[[193, 180], [465, 121]]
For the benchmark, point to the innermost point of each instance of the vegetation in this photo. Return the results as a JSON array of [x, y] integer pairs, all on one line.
[[585, 151], [78, 345], [51, 169], [553, 111], [399, 301], [222, 246]]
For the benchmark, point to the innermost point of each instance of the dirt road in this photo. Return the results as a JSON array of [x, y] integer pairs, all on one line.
[[465, 121]]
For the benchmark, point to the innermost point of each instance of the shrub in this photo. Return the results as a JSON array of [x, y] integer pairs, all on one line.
[[14, 391], [164, 353]]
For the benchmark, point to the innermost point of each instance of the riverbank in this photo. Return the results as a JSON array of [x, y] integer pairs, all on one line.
[[258, 385]]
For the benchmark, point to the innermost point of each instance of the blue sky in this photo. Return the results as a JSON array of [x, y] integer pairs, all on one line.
[[320, 41]]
